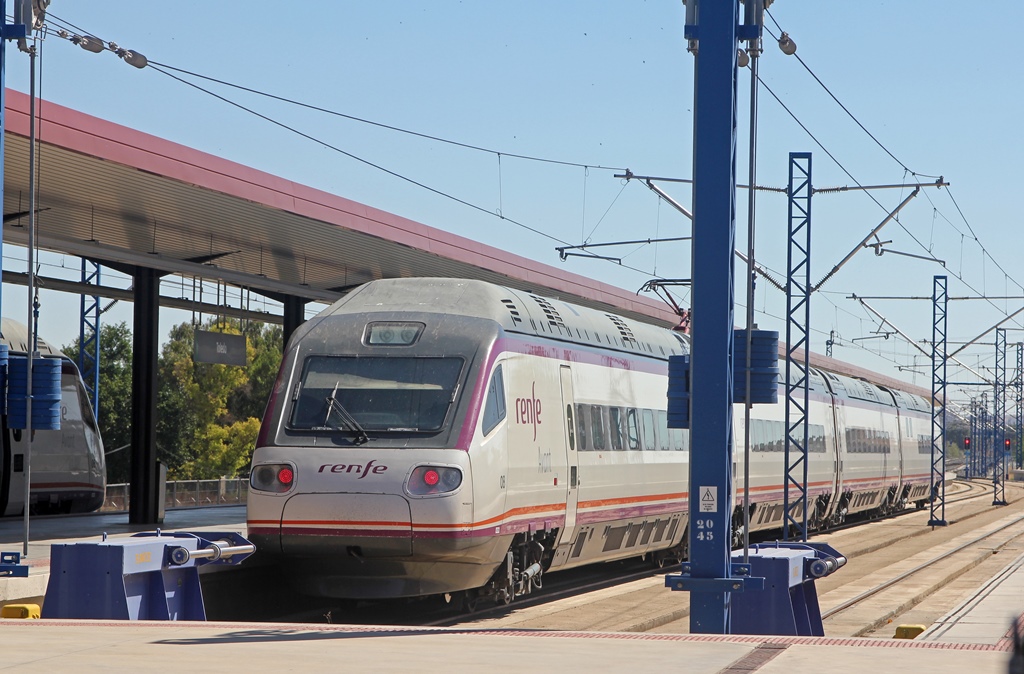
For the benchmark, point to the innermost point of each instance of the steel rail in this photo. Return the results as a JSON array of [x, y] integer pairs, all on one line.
[[909, 572]]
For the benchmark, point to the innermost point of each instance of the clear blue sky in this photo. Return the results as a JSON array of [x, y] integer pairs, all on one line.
[[601, 84]]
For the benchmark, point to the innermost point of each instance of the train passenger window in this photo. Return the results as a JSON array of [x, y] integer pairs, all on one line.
[[597, 426], [663, 430], [778, 436], [494, 407], [817, 439], [757, 435], [581, 428], [615, 427], [649, 435], [632, 429], [924, 444]]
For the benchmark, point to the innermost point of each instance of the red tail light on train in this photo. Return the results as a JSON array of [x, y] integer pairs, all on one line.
[[430, 480], [272, 477]]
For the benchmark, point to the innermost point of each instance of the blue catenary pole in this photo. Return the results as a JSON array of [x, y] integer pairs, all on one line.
[[940, 300], [999, 422], [798, 348], [714, 230]]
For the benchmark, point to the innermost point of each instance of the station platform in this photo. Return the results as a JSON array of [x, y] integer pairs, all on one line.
[[49, 645], [974, 637]]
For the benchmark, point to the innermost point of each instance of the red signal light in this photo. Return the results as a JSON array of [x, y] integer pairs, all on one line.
[[967, 442], [431, 477], [1006, 443], [285, 476]]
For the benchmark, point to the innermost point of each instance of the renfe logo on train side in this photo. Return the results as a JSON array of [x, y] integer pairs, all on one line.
[[357, 468], [528, 410]]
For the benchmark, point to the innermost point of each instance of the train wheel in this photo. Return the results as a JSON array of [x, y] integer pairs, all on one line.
[[737, 537], [470, 600]]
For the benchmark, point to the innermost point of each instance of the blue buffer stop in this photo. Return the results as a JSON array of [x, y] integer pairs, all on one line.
[[788, 604], [149, 576], [10, 565]]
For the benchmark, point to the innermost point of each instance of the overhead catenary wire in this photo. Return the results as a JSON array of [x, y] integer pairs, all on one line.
[[958, 275], [498, 154], [165, 70], [844, 108], [361, 120]]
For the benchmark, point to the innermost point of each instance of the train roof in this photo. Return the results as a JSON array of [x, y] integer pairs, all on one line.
[[15, 336], [516, 311], [525, 312]]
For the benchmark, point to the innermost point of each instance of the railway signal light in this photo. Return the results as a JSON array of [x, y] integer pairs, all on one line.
[[1006, 443], [967, 443]]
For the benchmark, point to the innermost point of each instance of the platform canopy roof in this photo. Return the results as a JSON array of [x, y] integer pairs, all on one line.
[[115, 195]]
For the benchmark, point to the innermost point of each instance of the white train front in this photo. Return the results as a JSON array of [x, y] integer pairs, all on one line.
[[68, 465], [431, 436]]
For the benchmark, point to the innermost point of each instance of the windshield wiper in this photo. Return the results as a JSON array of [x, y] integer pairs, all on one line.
[[346, 417]]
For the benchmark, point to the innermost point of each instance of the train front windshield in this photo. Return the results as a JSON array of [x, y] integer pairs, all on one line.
[[380, 394]]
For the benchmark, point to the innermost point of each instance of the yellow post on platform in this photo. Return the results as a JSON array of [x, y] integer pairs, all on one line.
[[909, 631], [23, 611]]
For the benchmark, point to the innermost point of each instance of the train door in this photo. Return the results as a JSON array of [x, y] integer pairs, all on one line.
[[902, 433], [5, 475], [12, 474], [839, 435], [572, 484]]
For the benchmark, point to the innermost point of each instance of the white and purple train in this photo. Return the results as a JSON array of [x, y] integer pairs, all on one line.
[[68, 466], [443, 436]]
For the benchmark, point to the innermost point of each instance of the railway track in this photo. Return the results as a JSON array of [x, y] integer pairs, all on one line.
[[903, 585], [640, 603]]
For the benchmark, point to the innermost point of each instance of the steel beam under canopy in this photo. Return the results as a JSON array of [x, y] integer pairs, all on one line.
[[89, 336]]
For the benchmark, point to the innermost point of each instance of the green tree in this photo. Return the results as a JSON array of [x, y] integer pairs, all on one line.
[[115, 409], [222, 450], [208, 414], [264, 343]]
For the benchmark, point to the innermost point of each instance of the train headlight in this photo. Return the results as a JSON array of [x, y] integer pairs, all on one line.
[[427, 480], [272, 477]]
